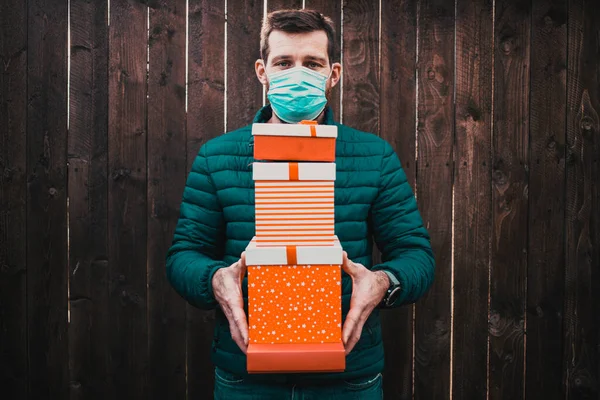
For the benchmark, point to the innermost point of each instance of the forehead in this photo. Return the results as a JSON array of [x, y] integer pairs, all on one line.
[[298, 44]]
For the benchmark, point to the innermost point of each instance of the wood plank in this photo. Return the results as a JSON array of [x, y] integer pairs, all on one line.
[[472, 197], [205, 120], [47, 303], [127, 228], [333, 10], [244, 91], [509, 193], [581, 309], [275, 5], [88, 225], [360, 98], [546, 254], [434, 191], [13, 197], [397, 121], [166, 180]]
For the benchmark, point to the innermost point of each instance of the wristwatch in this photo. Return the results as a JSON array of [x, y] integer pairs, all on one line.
[[393, 291]]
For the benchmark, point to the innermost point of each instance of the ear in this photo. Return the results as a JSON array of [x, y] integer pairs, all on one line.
[[336, 73], [261, 72]]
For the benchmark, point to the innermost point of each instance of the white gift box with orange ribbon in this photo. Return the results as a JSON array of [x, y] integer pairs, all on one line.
[[294, 202], [305, 254]]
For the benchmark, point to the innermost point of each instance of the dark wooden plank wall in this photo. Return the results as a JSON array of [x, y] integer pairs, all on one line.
[[127, 199], [205, 120], [493, 112], [435, 141], [397, 126], [89, 326], [472, 196], [13, 198], [167, 169], [581, 306], [546, 254], [510, 180], [46, 137]]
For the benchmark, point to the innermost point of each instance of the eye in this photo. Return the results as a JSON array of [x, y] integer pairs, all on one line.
[[314, 65], [283, 64]]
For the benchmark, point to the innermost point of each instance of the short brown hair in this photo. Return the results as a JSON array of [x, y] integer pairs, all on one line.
[[297, 21]]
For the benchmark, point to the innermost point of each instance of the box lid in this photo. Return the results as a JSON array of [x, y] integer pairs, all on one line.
[[294, 255], [293, 171], [304, 130]]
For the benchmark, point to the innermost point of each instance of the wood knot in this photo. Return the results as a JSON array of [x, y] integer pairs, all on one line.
[[52, 191], [430, 74], [586, 124], [507, 46], [120, 173]]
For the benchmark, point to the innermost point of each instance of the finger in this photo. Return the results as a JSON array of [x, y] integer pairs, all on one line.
[[242, 265], [350, 323], [347, 265], [353, 336], [241, 323]]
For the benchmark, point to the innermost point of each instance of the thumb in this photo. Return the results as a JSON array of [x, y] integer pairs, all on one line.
[[348, 266], [242, 264]]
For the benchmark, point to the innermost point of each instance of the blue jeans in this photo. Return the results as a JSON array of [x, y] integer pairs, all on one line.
[[232, 387]]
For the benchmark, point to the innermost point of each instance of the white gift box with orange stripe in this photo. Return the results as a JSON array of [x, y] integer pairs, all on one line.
[[306, 141], [294, 202], [305, 254]]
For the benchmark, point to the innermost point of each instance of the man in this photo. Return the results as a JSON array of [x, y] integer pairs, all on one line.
[[373, 200]]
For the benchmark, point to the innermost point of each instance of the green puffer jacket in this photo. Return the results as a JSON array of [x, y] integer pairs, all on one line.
[[373, 200]]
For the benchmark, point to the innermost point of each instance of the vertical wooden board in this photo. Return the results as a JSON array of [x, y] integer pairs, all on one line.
[[509, 194], [581, 309], [88, 225], [545, 267], [13, 195], [166, 180], [333, 10], [434, 189], [274, 5], [127, 224], [361, 62], [47, 200], [205, 120], [472, 197], [244, 91], [397, 126]]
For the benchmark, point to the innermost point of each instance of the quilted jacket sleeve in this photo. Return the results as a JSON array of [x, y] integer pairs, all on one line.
[[399, 232], [196, 252]]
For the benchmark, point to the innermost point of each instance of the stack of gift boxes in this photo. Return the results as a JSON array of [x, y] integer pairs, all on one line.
[[294, 261]]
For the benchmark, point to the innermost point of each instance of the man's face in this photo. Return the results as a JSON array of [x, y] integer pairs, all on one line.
[[289, 50]]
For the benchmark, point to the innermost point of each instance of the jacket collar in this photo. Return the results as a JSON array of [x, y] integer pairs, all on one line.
[[265, 113]]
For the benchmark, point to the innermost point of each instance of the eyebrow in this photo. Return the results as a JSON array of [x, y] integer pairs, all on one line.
[[309, 58]]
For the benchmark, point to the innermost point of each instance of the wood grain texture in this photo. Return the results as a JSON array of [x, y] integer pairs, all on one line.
[[274, 5], [581, 309], [472, 196], [47, 303], [127, 228], [361, 64], [545, 270], [205, 120], [333, 10], [166, 179], [397, 126], [509, 192], [13, 199], [434, 192], [244, 91], [88, 189]]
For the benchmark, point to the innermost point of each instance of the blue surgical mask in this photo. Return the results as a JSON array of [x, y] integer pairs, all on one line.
[[297, 94]]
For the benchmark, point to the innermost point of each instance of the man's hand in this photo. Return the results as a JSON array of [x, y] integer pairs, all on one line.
[[368, 289], [227, 288]]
